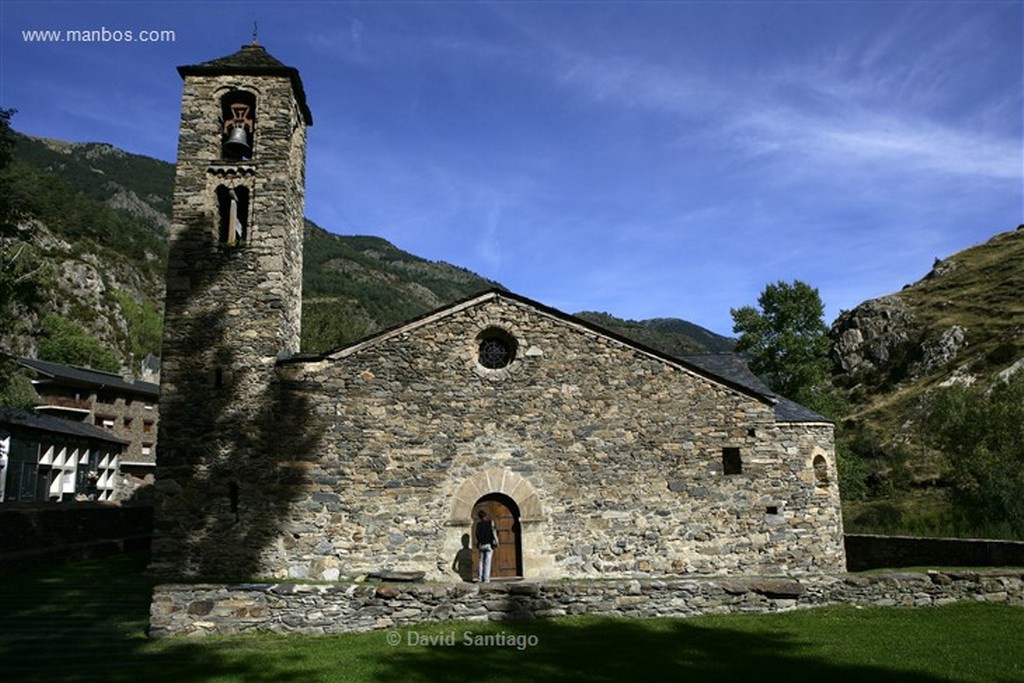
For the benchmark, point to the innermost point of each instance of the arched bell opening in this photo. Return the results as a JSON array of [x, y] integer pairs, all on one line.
[[238, 114]]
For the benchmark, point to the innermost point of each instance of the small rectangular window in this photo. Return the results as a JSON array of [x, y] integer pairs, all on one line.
[[731, 462]]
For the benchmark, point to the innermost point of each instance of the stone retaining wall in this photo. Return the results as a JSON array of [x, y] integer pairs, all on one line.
[[199, 609], [44, 533], [869, 551]]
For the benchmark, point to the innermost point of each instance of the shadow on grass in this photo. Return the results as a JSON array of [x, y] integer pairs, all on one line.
[[614, 650], [87, 621]]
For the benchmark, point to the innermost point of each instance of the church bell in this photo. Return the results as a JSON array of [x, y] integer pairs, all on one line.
[[237, 144]]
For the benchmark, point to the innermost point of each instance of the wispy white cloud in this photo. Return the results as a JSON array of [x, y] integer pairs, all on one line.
[[356, 29], [820, 116], [889, 100], [884, 144], [821, 159], [626, 82]]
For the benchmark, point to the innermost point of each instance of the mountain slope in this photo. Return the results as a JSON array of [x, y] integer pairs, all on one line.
[[962, 322], [669, 335], [96, 219], [136, 184], [355, 285], [97, 247]]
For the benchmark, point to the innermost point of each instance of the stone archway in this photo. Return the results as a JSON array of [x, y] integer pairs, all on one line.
[[531, 554], [495, 480]]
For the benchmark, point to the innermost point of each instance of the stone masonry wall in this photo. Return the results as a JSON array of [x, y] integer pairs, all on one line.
[[613, 457], [319, 609], [232, 311]]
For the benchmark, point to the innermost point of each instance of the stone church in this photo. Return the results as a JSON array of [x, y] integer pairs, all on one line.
[[596, 456]]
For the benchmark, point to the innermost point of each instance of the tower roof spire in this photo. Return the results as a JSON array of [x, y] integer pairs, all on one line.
[[251, 60]]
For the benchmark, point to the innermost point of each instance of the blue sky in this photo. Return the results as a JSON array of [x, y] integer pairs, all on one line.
[[648, 159]]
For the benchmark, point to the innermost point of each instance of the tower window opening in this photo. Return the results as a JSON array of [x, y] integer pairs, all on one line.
[[233, 210], [238, 111], [233, 498]]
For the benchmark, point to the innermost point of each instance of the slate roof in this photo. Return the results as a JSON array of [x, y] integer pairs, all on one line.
[[733, 366], [252, 60], [45, 423], [91, 378]]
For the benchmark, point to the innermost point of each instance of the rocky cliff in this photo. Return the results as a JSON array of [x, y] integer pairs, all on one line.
[[89, 224], [962, 322]]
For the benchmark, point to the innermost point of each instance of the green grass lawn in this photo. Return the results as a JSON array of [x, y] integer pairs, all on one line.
[[86, 622]]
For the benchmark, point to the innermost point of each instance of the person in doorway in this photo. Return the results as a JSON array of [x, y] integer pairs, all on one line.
[[485, 538]]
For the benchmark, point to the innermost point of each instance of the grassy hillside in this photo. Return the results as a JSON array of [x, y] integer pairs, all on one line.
[[962, 323], [979, 291]]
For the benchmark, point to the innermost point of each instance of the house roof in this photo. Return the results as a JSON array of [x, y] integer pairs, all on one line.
[[88, 377], [734, 366], [252, 60], [728, 369], [55, 425]]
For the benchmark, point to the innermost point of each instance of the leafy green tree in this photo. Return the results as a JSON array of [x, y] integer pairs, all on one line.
[[853, 473], [786, 340], [981, 436], [15, 387], [64, 341], [18, 271], [6, 155], [145, 325]]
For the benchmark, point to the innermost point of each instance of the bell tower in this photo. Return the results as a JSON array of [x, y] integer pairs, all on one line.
[[233, 301]]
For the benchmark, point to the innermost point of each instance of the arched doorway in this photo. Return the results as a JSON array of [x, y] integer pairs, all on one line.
[[507, 562]]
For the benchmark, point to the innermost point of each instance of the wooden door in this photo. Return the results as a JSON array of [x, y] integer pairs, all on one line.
[[505, 563]]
